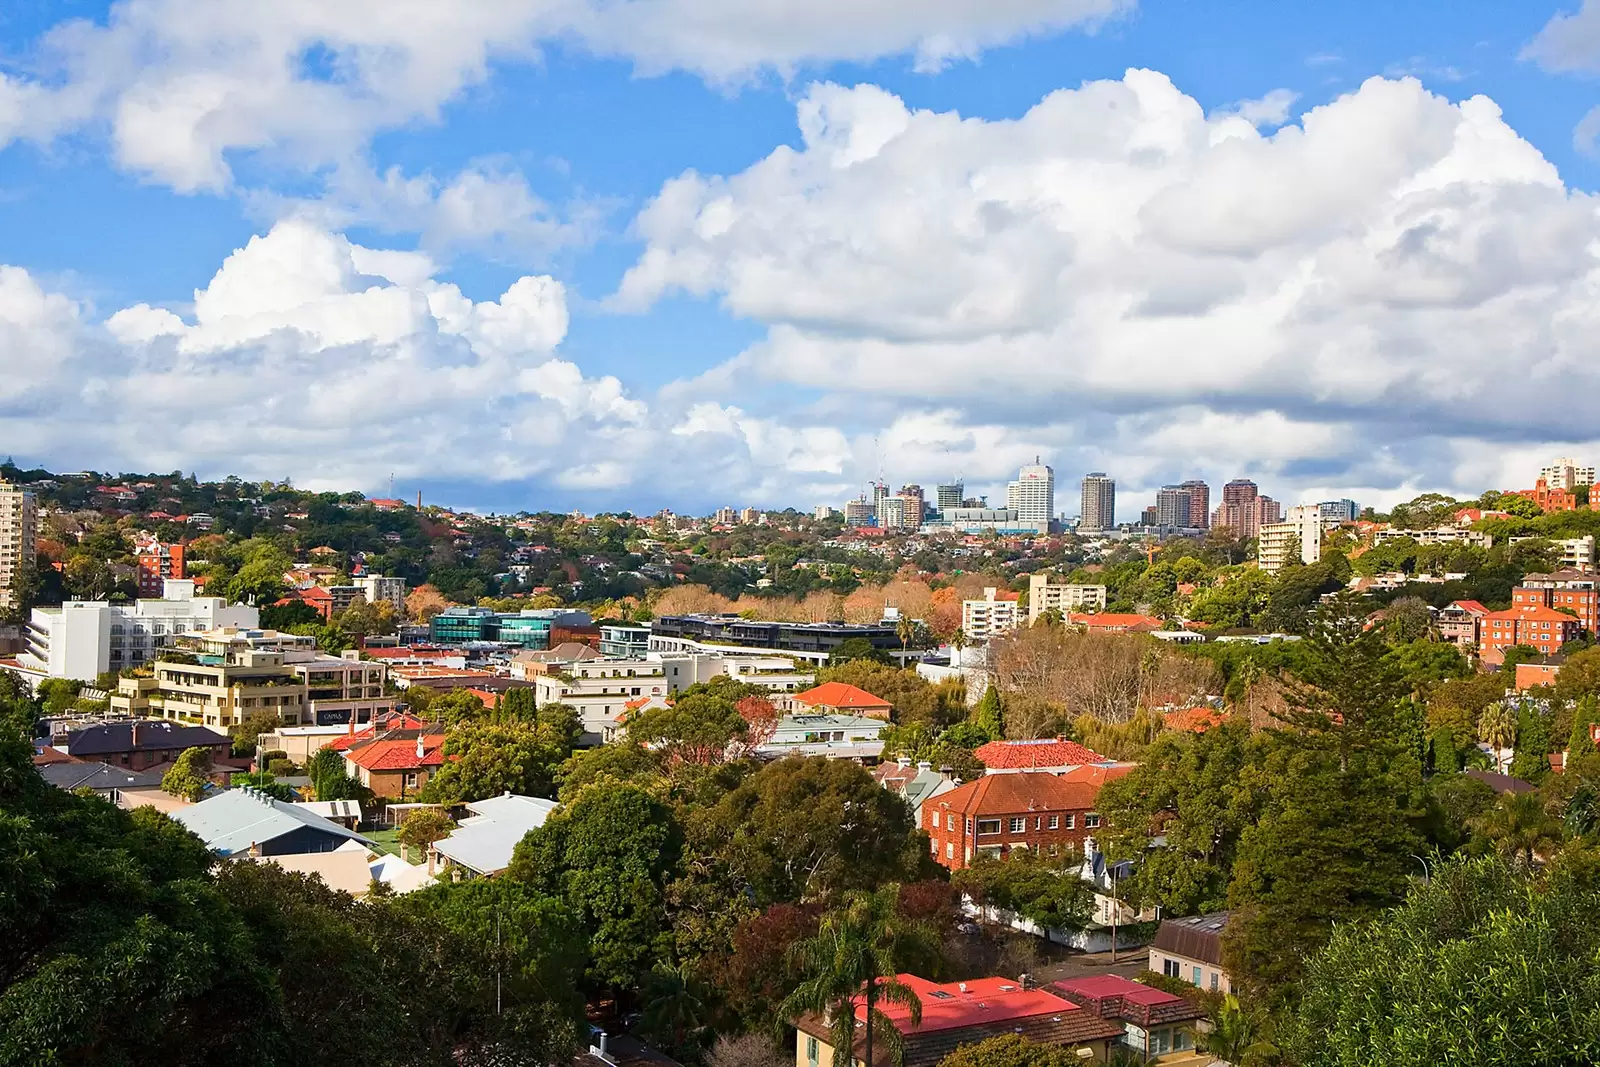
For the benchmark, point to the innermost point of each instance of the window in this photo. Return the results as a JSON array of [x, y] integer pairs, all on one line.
[[1055, 822], [988, 826], [1213, 981], [935, 820], [949, 850], [1197, 978], [1071, 821], [969, 825], [1169, 968], [1091, 821], [811, 1051], [1018, 825], [1038, 822]]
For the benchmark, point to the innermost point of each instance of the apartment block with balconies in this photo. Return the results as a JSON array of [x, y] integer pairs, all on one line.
[[215, 691]]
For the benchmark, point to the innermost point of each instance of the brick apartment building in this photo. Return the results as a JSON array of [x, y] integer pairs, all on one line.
[[156, 562], [1577, 591], [1550, 498], [998, 813], [1545, 629]]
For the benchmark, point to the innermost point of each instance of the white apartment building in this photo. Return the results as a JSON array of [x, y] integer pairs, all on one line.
[[1033, 495], [1275, 541], [82, 639], [775, 673], [1565, 473], [1439, 535], [892, 513], [376, 588], [19, 522], [600, 690], [989, 617], [1577, 553], [1065, 597]]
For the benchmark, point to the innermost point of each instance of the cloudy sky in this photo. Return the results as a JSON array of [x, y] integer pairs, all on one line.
[[644, 253]]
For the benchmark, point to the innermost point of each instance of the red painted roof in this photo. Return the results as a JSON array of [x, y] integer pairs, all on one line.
[[399, 755], [840, 695], [986, 1001], [1100, 986], [1047, 752], [402, 721], [1471, 606], [1535, 612], [1002, 794]]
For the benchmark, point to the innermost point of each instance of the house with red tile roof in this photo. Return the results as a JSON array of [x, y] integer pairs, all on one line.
[[1000, 813], [396, 768], [1195, 720], [1541, 628], [957, 1014], [1052, 754], [1155, 1022], [1460, 624], [1116, 623], [839, 698]]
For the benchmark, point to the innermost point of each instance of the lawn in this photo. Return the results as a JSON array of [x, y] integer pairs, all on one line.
[[388, 840]]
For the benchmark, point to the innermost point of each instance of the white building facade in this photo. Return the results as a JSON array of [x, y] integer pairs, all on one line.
[[1276, 541], [1066, 597], [83, 639], [1033, 495], [989, 617]]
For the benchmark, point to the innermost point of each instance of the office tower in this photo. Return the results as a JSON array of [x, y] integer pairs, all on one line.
[[19, 521], [1339, 510], [1099, 502], [1199, 503], [1033, 496], [1172, 507], [1564, 473], [949, 496]]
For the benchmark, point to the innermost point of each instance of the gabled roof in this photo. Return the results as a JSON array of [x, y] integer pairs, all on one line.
[[1195, 720], [1044, 752], [74, 775], [1471, 606], [1024, 791], [1098, 774], [1533, 613], [840, 695], [485, 841], [1112, 620], [231, 821], [399, 755], [151, 735]]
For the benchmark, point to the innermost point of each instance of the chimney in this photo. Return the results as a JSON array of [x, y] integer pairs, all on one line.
[[420, 750], [904, 761], [433, 857], [255, 849], [352, 723], [135, 734]]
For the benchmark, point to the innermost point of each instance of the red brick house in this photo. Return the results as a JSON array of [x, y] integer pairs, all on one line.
[[396, 769], [1000, 812]]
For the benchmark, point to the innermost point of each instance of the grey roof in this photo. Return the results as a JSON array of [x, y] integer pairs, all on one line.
[[152, 734], [231, 821], [97, 776], [484, 842]]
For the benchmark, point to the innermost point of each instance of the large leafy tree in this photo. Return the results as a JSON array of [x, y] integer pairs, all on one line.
[[1011, 1050], [189, 774], [857, 952], [485, 759], [1482, 965], [608, 852], [697, 728]]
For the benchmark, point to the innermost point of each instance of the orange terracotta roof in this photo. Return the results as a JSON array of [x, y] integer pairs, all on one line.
[[399, 755], [1534, 612], [841, 695], [1000, 794], [1196, 720], [1098, 774], [1047, 752], [1114, 620]]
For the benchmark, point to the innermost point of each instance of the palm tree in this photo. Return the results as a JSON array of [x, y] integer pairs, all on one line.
[[1235, 1035], [677, 1008], [1497, 728], [863, 942], [905, 630], [1520, 827]]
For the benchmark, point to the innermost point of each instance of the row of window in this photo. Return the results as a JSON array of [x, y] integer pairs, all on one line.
[[1019, 824]]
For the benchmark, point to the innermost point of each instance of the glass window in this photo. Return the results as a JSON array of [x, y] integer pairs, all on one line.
[[1169, 968], [1197, 978], [1055, 822], [1213, 981], [811, 1050], [1018, 825], [1091, 821], [935, 820], [1071, 821]]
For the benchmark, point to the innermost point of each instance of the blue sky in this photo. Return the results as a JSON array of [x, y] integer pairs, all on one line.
[[589, 125]]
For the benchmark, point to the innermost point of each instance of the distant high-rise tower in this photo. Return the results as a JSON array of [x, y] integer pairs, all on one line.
[[949, 496], [1099, 502], [19, 521], [1244, 510], [1033, 496], [1199, 503], [1172, 508]]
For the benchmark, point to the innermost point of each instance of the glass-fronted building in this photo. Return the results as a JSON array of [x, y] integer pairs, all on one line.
[[626, 642], [525, 629]]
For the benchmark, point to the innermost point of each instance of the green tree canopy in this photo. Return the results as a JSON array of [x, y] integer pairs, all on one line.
[[189, 774]]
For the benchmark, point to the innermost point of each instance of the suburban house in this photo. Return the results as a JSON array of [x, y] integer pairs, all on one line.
[[838, 698], [142, 743], [246, 821], [1191, 949], [1002, 812], [1115, 623], [1154, 1022], [396, 768], [1051, 755], [352, 868], [103, 778], [914, 784], [833, 736], [483, 842], [1461, 624], [956, 1014]]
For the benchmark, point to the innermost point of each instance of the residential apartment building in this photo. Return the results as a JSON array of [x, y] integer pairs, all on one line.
[[19, 524], [997, 613], [1064, 597], [157, 563], [624, 642], [185, 687], [1098, 510], [1565, 473], [1199, 503], [378, 589], [600, 691], [1338, 512], [1542, 628], [1576, 591], [892, 513], [777, 674], [860, 513], [811, 642], [1033, 496], [531, 628], [1448, 534], [1244, 510], [83, 639], [1176, 508], [1299, 536], [1549, 497], [1000, 813]]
